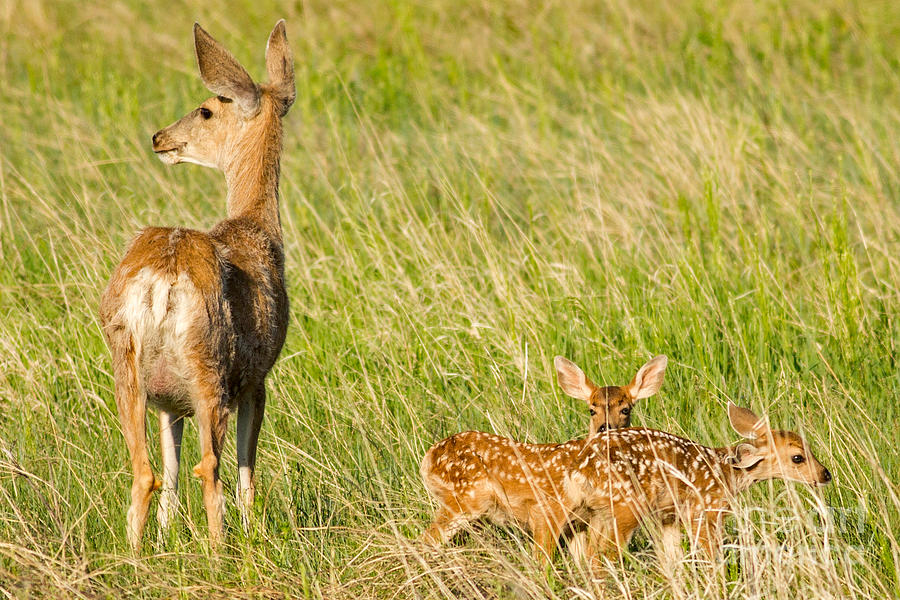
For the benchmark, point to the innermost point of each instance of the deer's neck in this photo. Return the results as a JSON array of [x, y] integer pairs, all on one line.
[[736, 480], [252, 174]]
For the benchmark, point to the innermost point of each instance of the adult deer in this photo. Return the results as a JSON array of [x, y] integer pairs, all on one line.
[[195, 320], [475, 474], [631, 476]]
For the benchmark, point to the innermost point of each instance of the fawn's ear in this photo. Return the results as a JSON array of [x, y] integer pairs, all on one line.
[[648, 379], [746, 455], [280, 67], [222, 74], [746, 423], [572, 380]]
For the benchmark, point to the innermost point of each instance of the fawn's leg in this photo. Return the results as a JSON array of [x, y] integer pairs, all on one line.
[[455, 513], [171, 428], [708, 532], [669, 552], [578, 546], [546, 526], [608, 537], [708, 537], [445, 525], [668, 542]]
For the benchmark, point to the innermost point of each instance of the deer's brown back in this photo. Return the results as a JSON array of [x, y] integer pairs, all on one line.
[[191, 297], [254, 288]]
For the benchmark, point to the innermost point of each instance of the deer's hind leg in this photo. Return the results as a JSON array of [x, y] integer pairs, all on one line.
[[131, 401], [446, 524], [251, 407], [456, 511], [171, 429], [212, 422]]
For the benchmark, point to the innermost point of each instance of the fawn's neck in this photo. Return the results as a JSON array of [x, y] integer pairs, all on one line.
[[253, 172], [736, 480]]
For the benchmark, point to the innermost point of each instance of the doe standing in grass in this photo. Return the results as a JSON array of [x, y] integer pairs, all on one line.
[[195, 320]]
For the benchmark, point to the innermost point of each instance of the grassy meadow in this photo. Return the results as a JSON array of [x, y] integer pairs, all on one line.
[[468, 189]]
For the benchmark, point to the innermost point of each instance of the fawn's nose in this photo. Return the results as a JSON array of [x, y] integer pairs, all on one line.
[[155, 138], [826, 476], [601, 429]]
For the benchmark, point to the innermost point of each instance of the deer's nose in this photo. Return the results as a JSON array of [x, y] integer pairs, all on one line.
[[826, 476], [601, 429], [156, 137]]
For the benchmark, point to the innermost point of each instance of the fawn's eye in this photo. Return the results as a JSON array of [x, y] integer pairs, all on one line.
[[626, 411], [797, 458], [205, 112]]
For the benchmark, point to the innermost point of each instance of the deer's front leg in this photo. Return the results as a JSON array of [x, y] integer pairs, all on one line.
[[608, 537], [546, 526], [707, 532]]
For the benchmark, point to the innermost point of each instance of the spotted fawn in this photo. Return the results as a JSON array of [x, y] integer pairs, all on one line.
[[630, 476], [475, 474]]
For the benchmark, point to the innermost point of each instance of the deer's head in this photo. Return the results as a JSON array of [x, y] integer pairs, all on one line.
[[241, 111], [769, 454], [610, 406]]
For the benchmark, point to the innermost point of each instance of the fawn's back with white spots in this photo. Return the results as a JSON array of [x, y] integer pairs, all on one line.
[[475, 474], [629, 476]]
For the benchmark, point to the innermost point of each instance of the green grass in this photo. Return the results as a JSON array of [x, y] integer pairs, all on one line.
[[468, 189]]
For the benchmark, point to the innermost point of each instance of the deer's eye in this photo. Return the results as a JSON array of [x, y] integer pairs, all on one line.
[[205, 112], [797, 458], [626, 411]]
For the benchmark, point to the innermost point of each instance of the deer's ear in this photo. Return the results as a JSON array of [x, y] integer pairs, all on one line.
[[572, 380], [649, 378], [745, 456], [222, 74], [746, 423], [280, 67]]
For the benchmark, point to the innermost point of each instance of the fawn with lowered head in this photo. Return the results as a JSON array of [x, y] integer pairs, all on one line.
[[636, 475], [475, 474], [195, 320]]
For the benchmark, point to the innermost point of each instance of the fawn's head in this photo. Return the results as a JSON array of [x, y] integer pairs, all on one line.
[[772, 454], [610, 406], [241, 111]]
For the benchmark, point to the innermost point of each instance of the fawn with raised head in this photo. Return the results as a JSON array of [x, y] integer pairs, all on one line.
[[195, 320], [475, 474], [630, 476]]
